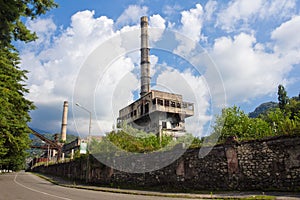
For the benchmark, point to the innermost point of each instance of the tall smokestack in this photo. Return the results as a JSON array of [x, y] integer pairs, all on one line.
[[64, 122], [145, 62]]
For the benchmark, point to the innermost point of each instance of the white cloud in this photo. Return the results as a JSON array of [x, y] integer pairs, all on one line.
[[44, 29], [280, 9], [240, 13], [210, 8], [238, 10], [192, 21], [287, 45], [156, 21], [287, 35], [60, 62], [132, 15], [86, 28], [247, 70], [171, 9], [157, 27], [114, 91], [54, 69], [153, 65]]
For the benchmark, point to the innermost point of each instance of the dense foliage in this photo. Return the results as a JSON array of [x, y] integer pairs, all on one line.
[[129, 139], [234, 122], [14, 137], [272, 122], [13, 112]]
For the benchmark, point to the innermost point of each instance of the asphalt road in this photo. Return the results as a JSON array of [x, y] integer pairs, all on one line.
[[26, 186]]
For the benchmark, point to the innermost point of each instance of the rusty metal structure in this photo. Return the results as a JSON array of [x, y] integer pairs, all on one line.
[[49, 144], [58, 147], [155, 111]]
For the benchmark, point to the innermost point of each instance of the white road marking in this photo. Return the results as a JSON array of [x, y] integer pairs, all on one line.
[[34, 190]]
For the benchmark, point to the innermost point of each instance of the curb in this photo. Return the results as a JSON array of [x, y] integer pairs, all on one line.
[[154, 194]]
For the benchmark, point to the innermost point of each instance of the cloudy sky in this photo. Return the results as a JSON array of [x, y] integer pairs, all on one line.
[[214, 53]]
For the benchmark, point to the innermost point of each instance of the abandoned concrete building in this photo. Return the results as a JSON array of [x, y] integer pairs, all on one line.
[[155, 111]]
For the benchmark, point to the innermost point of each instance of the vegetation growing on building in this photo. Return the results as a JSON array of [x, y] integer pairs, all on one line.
[[129, 139]]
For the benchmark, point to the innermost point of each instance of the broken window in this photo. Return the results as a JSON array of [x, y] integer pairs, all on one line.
[[160, 102], [167, 102], [178, 105], [147, 108], [164, 124], [154, 101], [173, 104]]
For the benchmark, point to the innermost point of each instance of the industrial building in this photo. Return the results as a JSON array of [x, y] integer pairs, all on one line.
[[155, 111]]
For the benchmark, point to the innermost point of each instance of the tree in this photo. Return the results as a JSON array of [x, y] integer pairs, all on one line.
[[282, 122], [234, 122], [14, 110], [293, 108], [282, 97], [134, 140], [11, 13]]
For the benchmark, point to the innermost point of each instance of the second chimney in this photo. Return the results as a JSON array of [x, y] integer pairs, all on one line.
[[64, 122]]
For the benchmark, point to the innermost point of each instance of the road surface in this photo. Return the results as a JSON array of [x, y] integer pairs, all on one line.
[[26, 186]]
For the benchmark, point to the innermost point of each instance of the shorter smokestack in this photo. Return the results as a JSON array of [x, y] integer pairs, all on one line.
[[64, 122]]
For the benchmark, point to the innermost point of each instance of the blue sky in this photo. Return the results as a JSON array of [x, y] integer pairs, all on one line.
[[254, 45]]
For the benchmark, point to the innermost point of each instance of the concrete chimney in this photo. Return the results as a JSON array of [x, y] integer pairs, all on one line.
[[64, 122], [145, 61]]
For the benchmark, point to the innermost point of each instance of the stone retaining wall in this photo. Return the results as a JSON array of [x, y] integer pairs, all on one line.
[[270, 164]]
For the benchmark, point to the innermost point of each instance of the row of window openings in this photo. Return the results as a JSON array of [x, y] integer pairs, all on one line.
[[166, 103], [162, 102], [143, 110]]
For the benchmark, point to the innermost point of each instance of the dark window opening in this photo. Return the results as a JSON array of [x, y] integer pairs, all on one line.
[[142, 109], [178, 105], [134, 112], [154, 101], [164, 124], [147, 108], [167, 103], [173, 104], [160, 102]]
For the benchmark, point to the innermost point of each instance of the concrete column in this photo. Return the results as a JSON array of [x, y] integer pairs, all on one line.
[[72, 154]]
